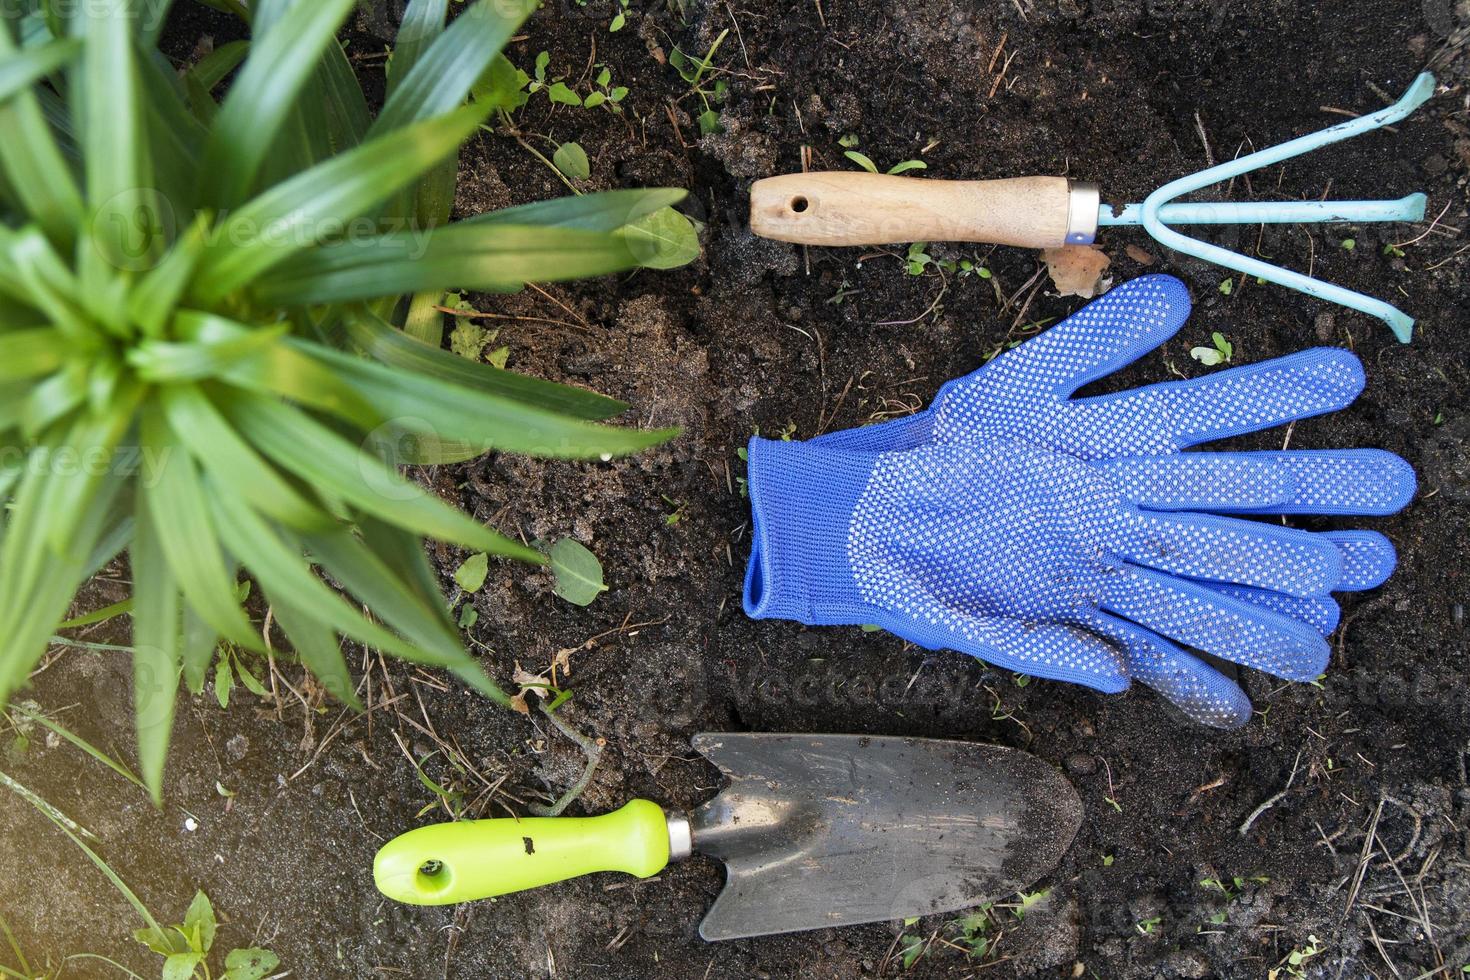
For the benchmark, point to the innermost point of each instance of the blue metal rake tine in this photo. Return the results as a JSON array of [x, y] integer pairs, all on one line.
[[1410, 207], [1152, 210]]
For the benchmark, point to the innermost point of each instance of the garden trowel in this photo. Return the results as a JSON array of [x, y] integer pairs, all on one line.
[[814, 830]]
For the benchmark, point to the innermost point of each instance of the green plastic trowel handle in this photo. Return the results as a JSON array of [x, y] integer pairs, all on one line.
[[460, 862]]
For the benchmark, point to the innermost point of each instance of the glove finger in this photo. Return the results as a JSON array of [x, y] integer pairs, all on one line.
[[1055, 651], [1332, 481], [1320, 612], [1233, 552], [1109, 333], [1194, 687], [1368, 559], [1178, 414], [1191, 614]]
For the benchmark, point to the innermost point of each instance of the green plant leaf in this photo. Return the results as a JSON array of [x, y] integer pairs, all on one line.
[[319, 650], [444, 74], [490, 257], [200, 916], [603, 211], [422, 24], [444, 413], [230, 459], [118, 166], [156, 652], [571, 160], [305, 209], [862, 160], [198, 644], [906, 166], [154, 297], [561, 93], [281, 61], [396, 349], [419, 616], [163, 362], [189, 538], [284, 369], [470, 574], [30, 352], [250, 964], [224, 680], [36, 171], [216, 66], [502, 85], [664, 239], [19, 71], [322, 458], [281, 570], [578, 572]]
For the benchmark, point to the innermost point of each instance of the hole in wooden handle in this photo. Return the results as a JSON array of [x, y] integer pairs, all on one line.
[[799, 204]]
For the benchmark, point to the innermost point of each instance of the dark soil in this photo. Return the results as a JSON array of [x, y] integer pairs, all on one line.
[[1365, 847]]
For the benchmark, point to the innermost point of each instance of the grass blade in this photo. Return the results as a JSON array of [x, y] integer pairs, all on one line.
[[282, 60], [66, 825], [66, 733]]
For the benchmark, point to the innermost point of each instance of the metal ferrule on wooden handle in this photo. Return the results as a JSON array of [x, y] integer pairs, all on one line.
[[849, 208]]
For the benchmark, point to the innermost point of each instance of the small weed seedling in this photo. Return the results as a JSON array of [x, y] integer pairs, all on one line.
[[1221, 353], [606, 94], [620, 19], [1146, 927], [185, 948], [866, 162], [1296, 960], [693, 71], [1234, 887]]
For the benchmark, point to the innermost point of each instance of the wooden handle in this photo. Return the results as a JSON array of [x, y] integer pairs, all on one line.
[[848, 208]]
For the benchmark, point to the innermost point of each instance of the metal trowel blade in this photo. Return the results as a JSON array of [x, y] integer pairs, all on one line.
[[832, 830]]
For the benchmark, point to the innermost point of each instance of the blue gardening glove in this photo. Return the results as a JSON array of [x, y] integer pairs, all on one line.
[[1053, 566], [1024, 395]]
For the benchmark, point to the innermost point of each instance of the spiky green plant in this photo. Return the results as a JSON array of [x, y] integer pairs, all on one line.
[[203, 358]]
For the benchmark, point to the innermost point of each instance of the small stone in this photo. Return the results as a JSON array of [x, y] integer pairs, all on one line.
[[1081, 764], [236, 748], [1326, 322], [190, 824]]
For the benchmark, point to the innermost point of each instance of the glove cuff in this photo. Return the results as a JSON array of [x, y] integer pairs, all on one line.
[[802, 499], [895, 435]]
